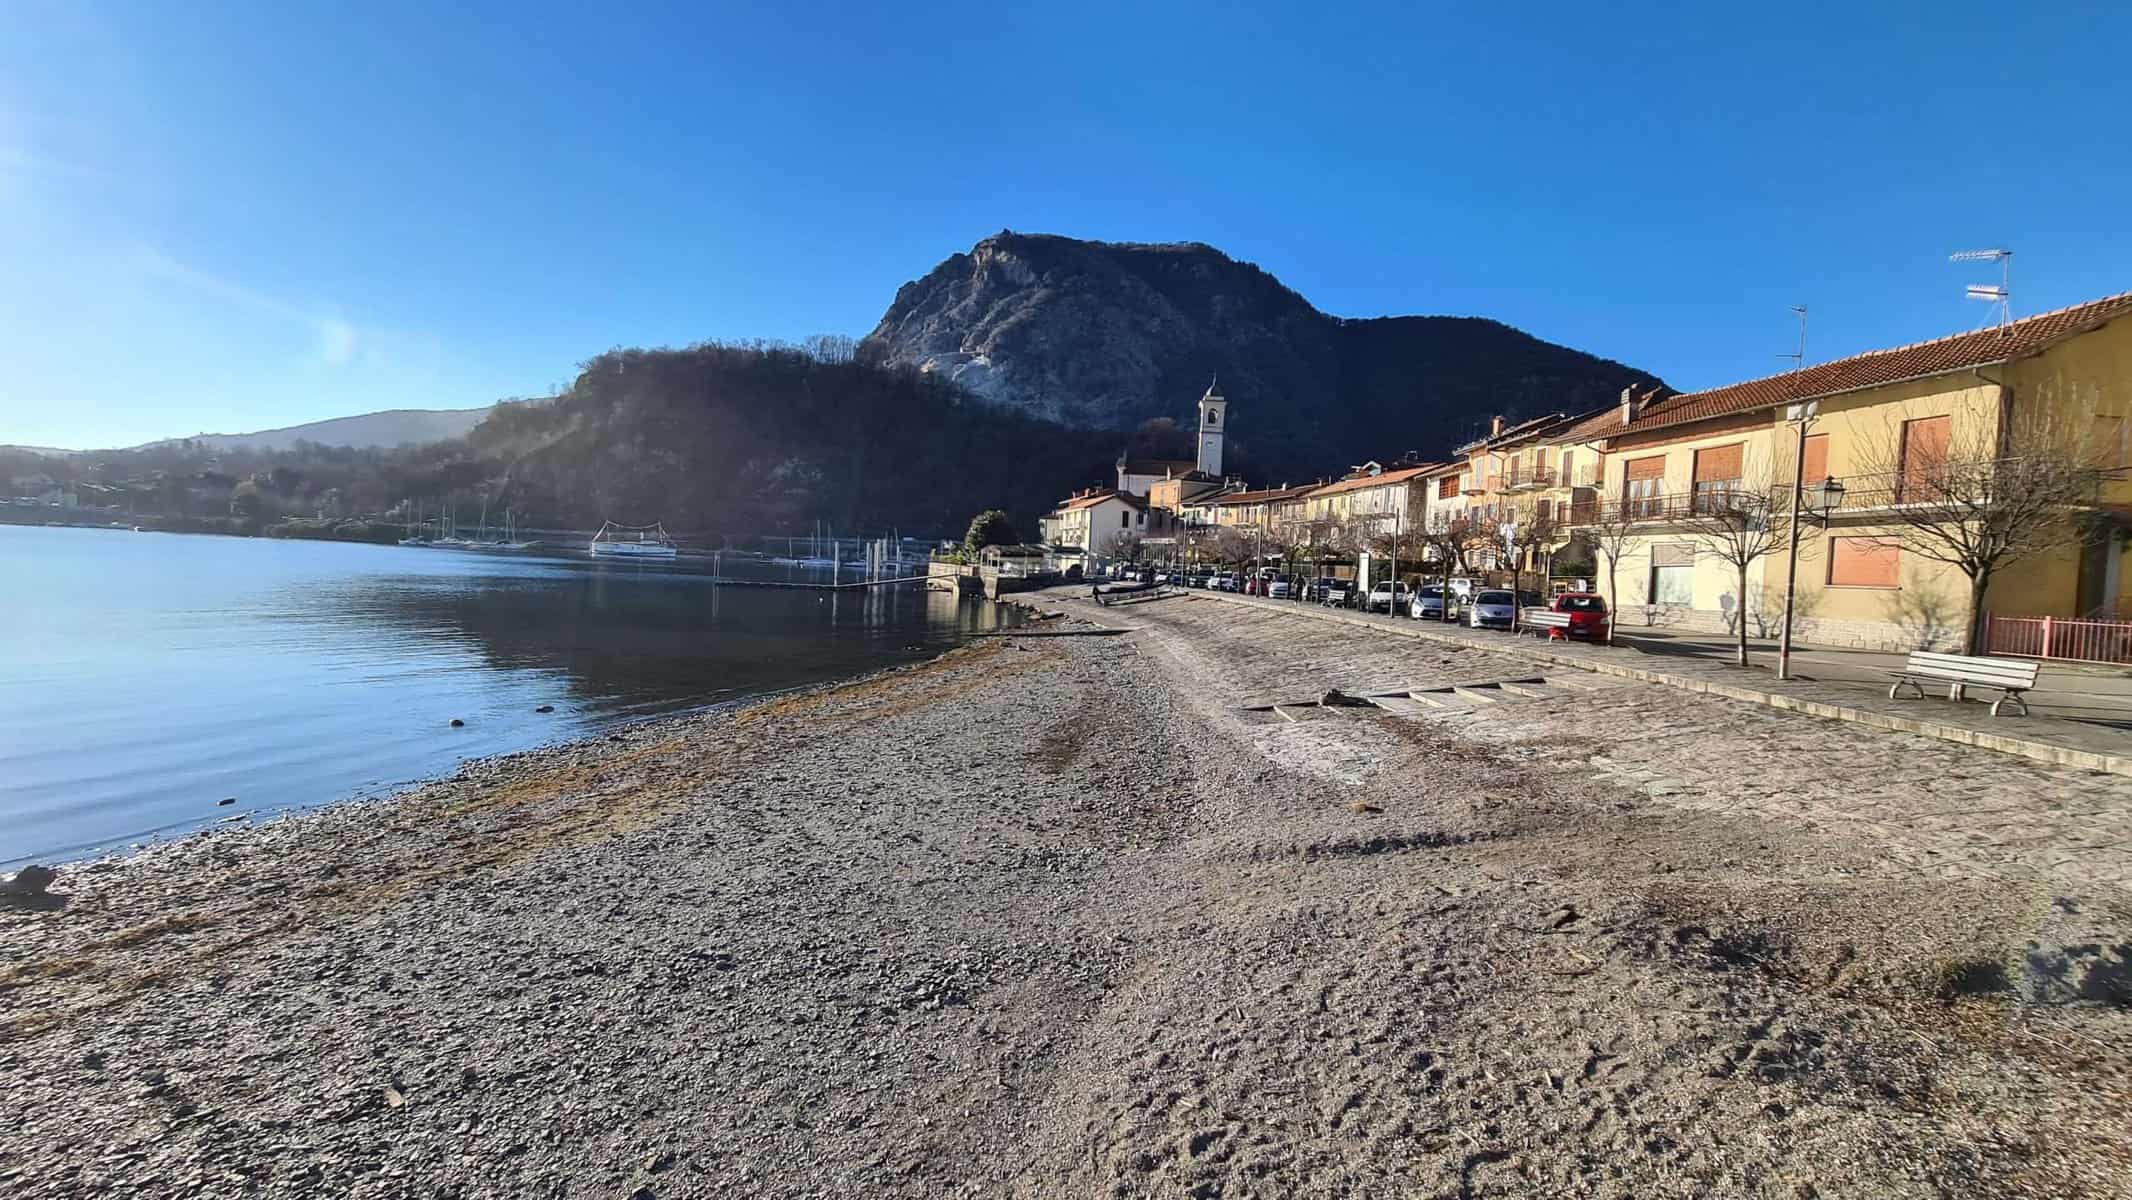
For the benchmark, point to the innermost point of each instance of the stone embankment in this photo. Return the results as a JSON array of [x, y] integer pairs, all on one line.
[[1127, 915]]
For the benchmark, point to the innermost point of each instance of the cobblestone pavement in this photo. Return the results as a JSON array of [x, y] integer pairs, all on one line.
[[1942, 808]]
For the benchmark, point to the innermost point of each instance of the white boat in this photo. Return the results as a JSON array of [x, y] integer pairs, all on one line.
[[633, 541]]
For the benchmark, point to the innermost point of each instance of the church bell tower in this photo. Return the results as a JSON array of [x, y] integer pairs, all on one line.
[[1213, 414]]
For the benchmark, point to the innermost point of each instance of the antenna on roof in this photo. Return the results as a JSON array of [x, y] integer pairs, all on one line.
[[1798, 357], [2000, 297]]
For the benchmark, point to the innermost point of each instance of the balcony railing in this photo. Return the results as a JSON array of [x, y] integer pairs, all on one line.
[[1528, 479], [1681, 506]]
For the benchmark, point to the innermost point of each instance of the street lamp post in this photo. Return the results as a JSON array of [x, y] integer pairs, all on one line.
[[1827, 495]]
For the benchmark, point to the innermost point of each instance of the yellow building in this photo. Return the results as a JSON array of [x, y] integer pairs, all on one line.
[[1371, 501], [1918, 435]]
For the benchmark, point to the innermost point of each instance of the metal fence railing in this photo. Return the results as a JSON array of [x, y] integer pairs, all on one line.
[[2068, 638]]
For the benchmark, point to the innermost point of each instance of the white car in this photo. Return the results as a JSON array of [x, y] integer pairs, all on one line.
[[1387, 597], [1277, 589]]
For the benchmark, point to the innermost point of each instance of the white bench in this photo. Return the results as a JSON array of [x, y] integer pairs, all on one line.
[[2010, 677], [1543, 621]]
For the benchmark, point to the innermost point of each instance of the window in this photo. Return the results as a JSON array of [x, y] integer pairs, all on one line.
[[1579, 603], [1717, 476], [1447, 488], [1816, 468], [1673, 575], [2106, 443], [1863, 563], [1924, 448], [1641, 479], [1125, 520]]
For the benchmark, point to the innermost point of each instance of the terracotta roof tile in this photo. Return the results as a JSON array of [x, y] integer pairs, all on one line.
[[1359, 482], [1091, 499], [1258, 497], [1918, 360]]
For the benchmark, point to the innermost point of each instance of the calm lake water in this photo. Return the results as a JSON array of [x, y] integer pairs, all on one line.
[[144, 676]]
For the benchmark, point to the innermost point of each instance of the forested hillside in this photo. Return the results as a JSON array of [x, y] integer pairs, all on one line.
[[710, 440]]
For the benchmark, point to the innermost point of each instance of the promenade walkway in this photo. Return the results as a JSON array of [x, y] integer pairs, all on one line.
[[2083, 717]]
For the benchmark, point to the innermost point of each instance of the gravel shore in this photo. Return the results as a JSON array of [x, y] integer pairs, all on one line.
[[1050, 916]]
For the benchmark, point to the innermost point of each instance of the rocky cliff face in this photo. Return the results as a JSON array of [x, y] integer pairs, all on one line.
[[1106, 336]]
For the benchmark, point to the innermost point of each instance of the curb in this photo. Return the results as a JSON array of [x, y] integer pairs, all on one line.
[[2064, 756]]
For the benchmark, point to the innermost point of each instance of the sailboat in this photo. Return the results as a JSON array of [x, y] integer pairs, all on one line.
[[416, 535], [633, 541], [451, 539], [509, 540]]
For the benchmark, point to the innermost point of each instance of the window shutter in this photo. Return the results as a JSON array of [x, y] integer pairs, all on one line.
[[1863, 562], [1718, 464], [1673, 555], [1925, 440], [1816, 458], [1646, 468]]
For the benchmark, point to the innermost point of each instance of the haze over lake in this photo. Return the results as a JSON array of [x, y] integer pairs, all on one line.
[[146, 677]]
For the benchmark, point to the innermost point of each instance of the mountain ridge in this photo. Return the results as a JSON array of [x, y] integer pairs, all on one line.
[[1108, 335], [384, 428]]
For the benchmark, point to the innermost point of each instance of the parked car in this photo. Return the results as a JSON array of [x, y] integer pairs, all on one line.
[[1222, 581], [1427, 603], [1387, 597], [1334, 592], [1278, 589], [1587, 615], [1492, 608]]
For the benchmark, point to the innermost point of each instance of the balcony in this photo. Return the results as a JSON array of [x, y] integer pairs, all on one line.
[[1529, 479], [1674, 508]]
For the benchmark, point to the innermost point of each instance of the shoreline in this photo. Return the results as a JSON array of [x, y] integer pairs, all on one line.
[[1051, 916], [502, 762]]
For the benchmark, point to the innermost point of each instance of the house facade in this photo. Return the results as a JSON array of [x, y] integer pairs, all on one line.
[[1093, 526], [1891, 428]]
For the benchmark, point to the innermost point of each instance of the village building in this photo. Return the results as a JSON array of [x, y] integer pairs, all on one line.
[[1879, 425], [1372, 501], [1094, 527]]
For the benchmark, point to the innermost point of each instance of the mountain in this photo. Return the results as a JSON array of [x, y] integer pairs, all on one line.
[[393, 427], [1106, 335], [771, 439]]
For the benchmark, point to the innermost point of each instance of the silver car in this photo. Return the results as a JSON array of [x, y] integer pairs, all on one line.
[[1492, 608]]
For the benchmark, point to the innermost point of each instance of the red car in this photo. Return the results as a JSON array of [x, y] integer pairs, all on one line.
[[1587, 616]]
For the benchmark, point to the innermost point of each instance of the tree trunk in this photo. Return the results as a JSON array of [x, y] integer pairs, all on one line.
[[1973, 638], [1739, 616], [1613, 597]]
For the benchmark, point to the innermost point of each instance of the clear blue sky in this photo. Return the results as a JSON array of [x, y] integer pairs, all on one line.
[[225, 216]]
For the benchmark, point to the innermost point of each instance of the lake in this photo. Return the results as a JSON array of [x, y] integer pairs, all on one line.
[[145, 677]]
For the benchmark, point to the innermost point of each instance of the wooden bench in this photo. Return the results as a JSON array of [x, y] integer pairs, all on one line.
[[2010, 677], [1543, 622]]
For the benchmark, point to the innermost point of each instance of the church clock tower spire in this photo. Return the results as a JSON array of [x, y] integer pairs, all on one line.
[[1213, 418]]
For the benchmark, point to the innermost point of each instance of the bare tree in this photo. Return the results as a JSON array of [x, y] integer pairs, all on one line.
[[1613, 532], [1998, 492], [1446, 539], [1530, 533], [1739, 523], [1123, 545], [1230, 545]]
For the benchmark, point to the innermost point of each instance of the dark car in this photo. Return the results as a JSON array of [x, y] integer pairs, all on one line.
[[1588, 615]]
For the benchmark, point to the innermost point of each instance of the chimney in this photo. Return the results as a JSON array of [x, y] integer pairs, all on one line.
[[1631, 404], [1495, 425]]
